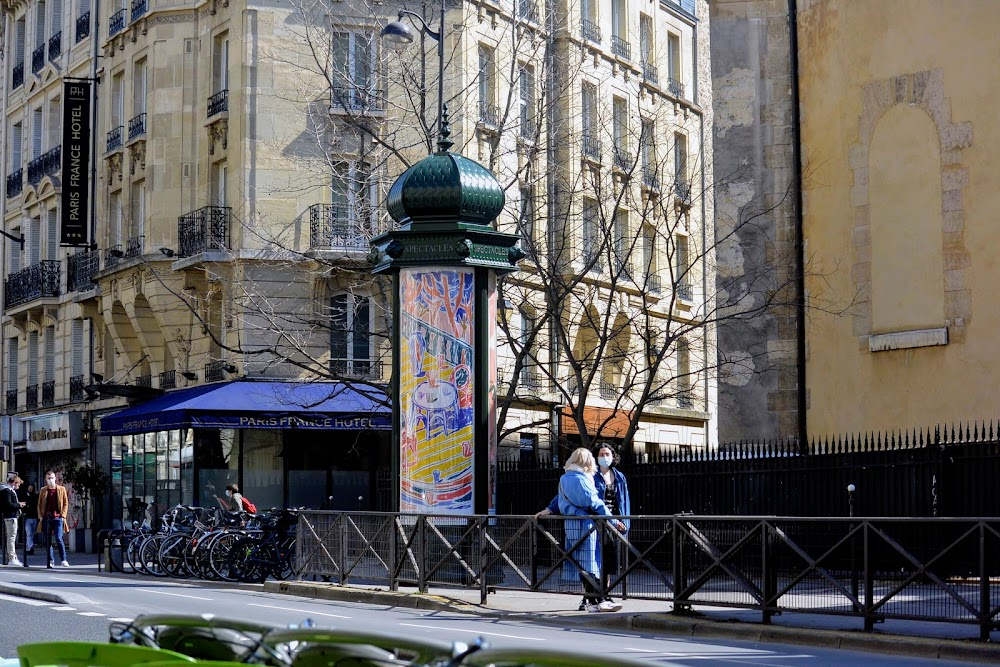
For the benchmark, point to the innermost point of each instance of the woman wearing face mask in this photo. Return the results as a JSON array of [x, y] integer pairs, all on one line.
[[235, 499]]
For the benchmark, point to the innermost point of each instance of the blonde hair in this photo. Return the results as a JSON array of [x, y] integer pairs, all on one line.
[[584, 459]]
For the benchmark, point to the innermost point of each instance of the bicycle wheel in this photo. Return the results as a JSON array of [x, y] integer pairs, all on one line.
[[135, 540], [149, 556], [244, 560], [286, 560], [171, 555], [218, 556]]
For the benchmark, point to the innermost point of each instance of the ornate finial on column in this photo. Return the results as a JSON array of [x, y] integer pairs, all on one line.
[[444, 144]]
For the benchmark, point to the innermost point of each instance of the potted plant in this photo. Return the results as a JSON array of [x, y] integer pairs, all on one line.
[[90, 482]]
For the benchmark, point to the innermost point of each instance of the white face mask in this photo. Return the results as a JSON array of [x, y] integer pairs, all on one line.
[[604, 461], [50, 481]]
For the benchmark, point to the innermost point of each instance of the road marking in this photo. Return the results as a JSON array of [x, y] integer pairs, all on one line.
[[28, 601], [299, 611], [123, 619], [75, 581], [642, 650], [89, 613], [478, 632], [63, 608], [179, 595]]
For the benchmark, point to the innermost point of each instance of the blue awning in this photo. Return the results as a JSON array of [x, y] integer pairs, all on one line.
[[258, 404]]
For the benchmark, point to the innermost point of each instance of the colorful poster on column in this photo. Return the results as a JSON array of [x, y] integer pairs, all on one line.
[[436, 390], [492, 328]]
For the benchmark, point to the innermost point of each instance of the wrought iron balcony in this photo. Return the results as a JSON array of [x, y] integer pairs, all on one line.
[[590, 31], [76, 385], [139, 8], [218, 103], [622, 268], [113, 256], [144, 381], [133, 247], [11, 401], [117, 22], [332, 228], [137, 126], [650, 73], [15, 183], [682, 191], [685, 291], [37, 281], [49, 392], [206, 229], [38, 59], [527, 10], [489, 114], [621, 48], [675, 87], [623, 160], [530, 380], [115, 139], [83, 26], [215, 371], [591, 147], [80, 269], [31, 396], [355, 98], [368, 369], [591, 254], [655, 283], [17, 76], [45, 164], [608, 390], [55, 46], [168, 379], [529, 128], [685, 401], [649, 178]]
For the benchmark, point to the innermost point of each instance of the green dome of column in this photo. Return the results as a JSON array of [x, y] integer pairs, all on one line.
[[445, 187]]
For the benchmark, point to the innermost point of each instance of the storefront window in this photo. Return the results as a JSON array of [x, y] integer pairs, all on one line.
[[186, 440], [218, 464], [262, 468]]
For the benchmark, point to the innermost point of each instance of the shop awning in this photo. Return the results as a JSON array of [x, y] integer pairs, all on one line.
[[258, 404]]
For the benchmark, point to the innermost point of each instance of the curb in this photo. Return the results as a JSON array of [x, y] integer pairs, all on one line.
[[666, 624], [35, 594]]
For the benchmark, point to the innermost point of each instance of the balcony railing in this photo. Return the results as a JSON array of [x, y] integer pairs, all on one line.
[[608, 390], [368, 369], [133, 247], [215, 371], [675, 87], [168, 379], [590, 31], [527, 10], [623, 160], [331, 227], [55, 46], [11, 401], [139, 8], [113, 256], [530, 380], [650, 73], [45, 164], [31, 396], [655, 283], [685, 291], [137, 126], [144, 381], [37, 281], [682, 191], [218, 103], [206, 229], [80, 269], [355, 98], [38, 59], [489, 114], [649, 178], [17, 76], [83, 27], [115, 138], [591, 147], [49, 392], [685, 401], [529, 128], [622, 268], [621, 48], [76, 385], [117, 22], [15, 183]]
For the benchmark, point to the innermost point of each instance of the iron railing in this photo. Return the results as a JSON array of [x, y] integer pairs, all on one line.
[[215, 371], [137, 126], [83, 26], [134, 246], [49, 393], [685, 401], [355, 98], [113, 256], [682, 191], [684, 291], [608, 390], [530, 380], [35, 282], [80, 270], [650, 72], [590, 31], [46, 164], [873, 569], [145, 381], [591, 147], [139, 8], [31, 396], [528, 128], [38, 59], [168, 379], [331, 227], [114, 141], [622, 159], [55, 46], [649, 178], [489, 114], [17, 76], [369, 369], [655, 283], [620, 47], [204, 230], [76, 385], [218, 103], [117, 22], [527, 10], [15, 183], [11, 401], [675, 87]]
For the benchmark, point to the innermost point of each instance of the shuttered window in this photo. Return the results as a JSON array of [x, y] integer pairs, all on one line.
[[12, 368], [56, 16], [50, 354], [35, 242], [14, 256], [77, 357], [40, 24], [32, 358], [36, 133], [16, 137], [52, 235]]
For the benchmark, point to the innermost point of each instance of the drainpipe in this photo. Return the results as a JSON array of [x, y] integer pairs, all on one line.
[[4, 256], [800, 287]]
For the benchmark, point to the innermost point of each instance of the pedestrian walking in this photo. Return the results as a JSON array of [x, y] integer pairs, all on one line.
[[577, 496], [10, 508], [612, 487], [30, 500], [53, 506]]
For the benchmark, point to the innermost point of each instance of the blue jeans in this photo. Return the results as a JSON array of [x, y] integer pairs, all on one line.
[[50, 526], [30, 527]]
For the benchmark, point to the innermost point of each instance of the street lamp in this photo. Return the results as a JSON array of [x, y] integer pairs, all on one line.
[[398, 36]]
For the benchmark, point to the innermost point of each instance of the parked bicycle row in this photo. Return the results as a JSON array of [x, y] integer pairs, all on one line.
[[209, 543]]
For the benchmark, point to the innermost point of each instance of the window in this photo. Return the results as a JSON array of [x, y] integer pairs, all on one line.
[[16, 137], [526, 101], [138, 210], [220, 63], [588, 110], [526, 221], [14, 253], [54, 124], [12, 363], [21, 41], [619, 125], [32, 358], [50, 354], [590, 235], [620, 229], [588, 11], [684, 380], [674, 56], [35, 241], [52, 235], [350, 336], [219, 174], [56, 17], [649, 251], [682, 267], [117, 100], [40, 24], [680, 158], [37, 130], [353, 193], [529, 376], [355, 64], [76, 363], [488, 112], [646, 39], [139, 88], [115, 219], [647, 153]]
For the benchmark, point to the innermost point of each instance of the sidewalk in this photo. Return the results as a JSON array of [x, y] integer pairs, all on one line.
[[946, 641]]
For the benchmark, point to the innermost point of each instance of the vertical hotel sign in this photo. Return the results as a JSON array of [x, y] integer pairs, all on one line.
[[75, 164]]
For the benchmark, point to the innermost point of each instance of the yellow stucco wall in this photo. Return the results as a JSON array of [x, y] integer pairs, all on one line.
[[900, 209]]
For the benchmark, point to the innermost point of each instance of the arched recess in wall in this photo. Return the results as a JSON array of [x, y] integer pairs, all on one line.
[[907, 254]]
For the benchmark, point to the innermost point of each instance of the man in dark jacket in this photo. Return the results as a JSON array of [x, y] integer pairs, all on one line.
[[29, 497], [10, 507]]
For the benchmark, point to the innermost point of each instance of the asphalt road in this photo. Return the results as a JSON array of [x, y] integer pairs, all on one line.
[[95, 600]]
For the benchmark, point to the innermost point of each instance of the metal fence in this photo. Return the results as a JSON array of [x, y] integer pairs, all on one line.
[[874, 569]]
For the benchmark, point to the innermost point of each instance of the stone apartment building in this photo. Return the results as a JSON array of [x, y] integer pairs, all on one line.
[[242, 154]]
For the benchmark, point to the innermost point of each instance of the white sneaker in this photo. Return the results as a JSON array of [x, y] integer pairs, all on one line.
[[594, 608], [14, 563], [608, 605], [66, 564]]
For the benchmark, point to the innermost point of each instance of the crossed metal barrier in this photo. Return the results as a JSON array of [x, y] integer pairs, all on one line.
[[871, 568]]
